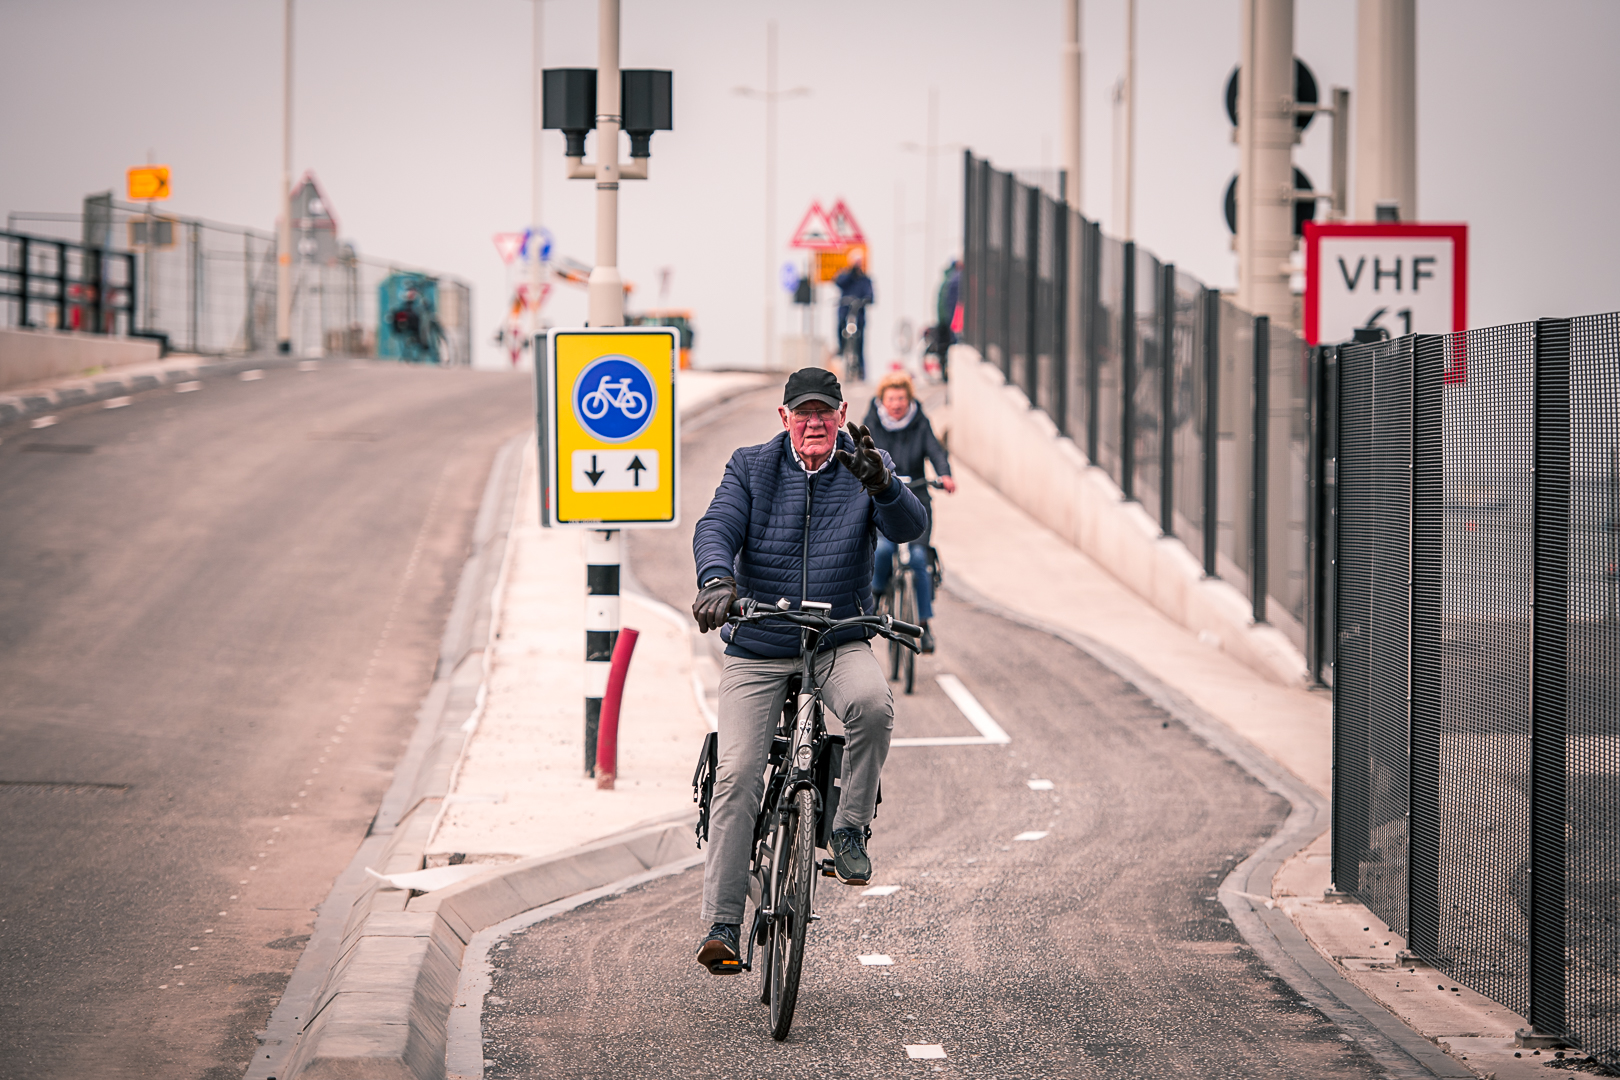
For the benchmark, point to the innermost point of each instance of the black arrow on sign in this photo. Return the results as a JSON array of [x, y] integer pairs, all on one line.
[[593, 472], [636, 466]]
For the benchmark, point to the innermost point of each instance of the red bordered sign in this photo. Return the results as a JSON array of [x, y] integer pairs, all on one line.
[[1407, 278]]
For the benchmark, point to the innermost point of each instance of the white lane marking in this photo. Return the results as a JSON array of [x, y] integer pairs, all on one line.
[[990, 732], [42, 421], [877, 959], [309, 365], [881, 890], [925, 1051], [1041, 785], [251, 375], [187, 387], [115, 403], [1038, 835]]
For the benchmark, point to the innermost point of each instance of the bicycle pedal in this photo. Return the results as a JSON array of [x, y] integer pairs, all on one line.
[[827, 868]]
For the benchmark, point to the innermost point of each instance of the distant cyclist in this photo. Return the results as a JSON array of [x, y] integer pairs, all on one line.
[[855, 295], [899, 426], [794, 519]]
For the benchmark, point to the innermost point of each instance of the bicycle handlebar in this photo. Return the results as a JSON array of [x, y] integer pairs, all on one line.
[[747, 610]]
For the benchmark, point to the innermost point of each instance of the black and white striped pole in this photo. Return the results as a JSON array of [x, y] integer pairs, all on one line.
[[604, 550]]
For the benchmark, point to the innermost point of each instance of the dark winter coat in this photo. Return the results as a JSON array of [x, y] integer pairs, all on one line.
[[755, 530], [910, 447]]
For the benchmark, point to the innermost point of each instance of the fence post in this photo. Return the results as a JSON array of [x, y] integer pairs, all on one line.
[[1167, 398], [1060, 318], [1009, 219], [61, 286], [1127, 371], [1090, 303], [1322, 418], [1212, 428], [1549, 660], [95, 276], [1032, 293], [1425, 634], [1260, 433], [134, 297], [196, 281], [22, 286]]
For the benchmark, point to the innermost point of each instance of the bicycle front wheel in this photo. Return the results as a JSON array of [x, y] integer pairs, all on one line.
[[887, 606], [794, 881], [908, 613]]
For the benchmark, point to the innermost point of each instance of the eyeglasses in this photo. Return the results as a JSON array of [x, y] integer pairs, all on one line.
[[805, 417]]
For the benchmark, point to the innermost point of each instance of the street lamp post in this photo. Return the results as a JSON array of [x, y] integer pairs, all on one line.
[[536, 269], [284, 226], [770, 95]]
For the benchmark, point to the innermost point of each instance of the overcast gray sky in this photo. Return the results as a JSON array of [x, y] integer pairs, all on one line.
[[415, 115]]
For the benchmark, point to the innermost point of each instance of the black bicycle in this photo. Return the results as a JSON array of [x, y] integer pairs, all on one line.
[[900, 598], [800, 802]]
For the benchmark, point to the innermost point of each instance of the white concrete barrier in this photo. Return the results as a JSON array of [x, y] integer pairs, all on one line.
[[1019, 450], [32, 356]]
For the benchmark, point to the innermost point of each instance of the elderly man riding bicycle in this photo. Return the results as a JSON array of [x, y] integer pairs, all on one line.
[[795, 519]]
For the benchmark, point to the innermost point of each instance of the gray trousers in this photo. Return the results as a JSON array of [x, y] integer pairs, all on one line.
[[752, 692]]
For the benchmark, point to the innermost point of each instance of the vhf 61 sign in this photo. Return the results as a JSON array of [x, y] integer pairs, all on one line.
[[1408, 279]]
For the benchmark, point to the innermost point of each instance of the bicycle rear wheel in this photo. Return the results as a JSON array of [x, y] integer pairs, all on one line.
[[908, 613], [793, 883]]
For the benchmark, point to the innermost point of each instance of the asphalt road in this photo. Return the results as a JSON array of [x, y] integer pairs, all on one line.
[[1098, 949], [219, 611]]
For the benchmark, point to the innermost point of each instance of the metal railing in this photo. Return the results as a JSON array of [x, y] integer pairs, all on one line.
[[1202, 412], [60, 285], [1476, 757], [210, 288]]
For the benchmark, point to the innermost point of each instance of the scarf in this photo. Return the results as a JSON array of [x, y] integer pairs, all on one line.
[[891, 424]]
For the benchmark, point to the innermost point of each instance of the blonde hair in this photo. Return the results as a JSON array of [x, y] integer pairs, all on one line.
[[896, 379]]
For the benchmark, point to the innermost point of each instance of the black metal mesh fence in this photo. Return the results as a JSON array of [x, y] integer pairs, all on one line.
[[1147, 387], [1188, 412], [1476, 728], [1593, 876]]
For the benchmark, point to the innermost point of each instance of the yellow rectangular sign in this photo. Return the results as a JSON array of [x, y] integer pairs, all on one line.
[[611, 433], [148, 182]]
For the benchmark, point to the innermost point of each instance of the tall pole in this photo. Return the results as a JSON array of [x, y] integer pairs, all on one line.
[[606, 286], [1265, 218], [900, 260], [1073, 112], [929, 269], [284, 226], [1128, 226], [605, 548], [1386, 109], [770, 195], [536, 271]]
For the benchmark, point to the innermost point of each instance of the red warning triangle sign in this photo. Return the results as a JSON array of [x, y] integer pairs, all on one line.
[[846, 230], [815, 232], [508, 244]]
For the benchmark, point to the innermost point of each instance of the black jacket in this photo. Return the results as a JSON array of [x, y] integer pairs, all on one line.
[[910, 447]]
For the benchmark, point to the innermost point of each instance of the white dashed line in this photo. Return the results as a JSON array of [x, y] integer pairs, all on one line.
[[990, 732], [116, 402], [42, 422], [1041, 835], [187, 387], [877, 960], [881, 890], [925, 1051], [251, 375], [1041, 785]]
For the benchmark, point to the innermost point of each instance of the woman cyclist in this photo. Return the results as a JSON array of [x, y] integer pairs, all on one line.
[[899, 426]]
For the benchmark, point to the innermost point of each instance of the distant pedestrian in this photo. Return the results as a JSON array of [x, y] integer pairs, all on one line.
[[945, 321], [855, 295]]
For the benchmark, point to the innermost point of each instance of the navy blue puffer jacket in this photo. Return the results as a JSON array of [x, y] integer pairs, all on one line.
[[755, 530]]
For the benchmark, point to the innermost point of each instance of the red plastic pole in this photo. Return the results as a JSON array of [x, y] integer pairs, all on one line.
[[607, 732]]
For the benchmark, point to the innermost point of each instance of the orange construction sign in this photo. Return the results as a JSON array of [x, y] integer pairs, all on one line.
[[148, 182]]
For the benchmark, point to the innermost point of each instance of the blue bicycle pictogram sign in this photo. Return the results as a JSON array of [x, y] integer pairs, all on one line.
[[614, 398]]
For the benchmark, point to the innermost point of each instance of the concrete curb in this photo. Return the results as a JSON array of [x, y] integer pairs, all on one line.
[[1267, 929], [18, 406], [1020, 452]]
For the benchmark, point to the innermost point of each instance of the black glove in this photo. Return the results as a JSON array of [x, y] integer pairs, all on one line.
[[866, 462], [713, 603]]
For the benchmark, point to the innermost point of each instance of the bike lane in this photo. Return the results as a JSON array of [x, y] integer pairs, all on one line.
[[1054, 907]]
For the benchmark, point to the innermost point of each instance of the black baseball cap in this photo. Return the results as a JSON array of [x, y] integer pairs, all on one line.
[[812, 384]]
